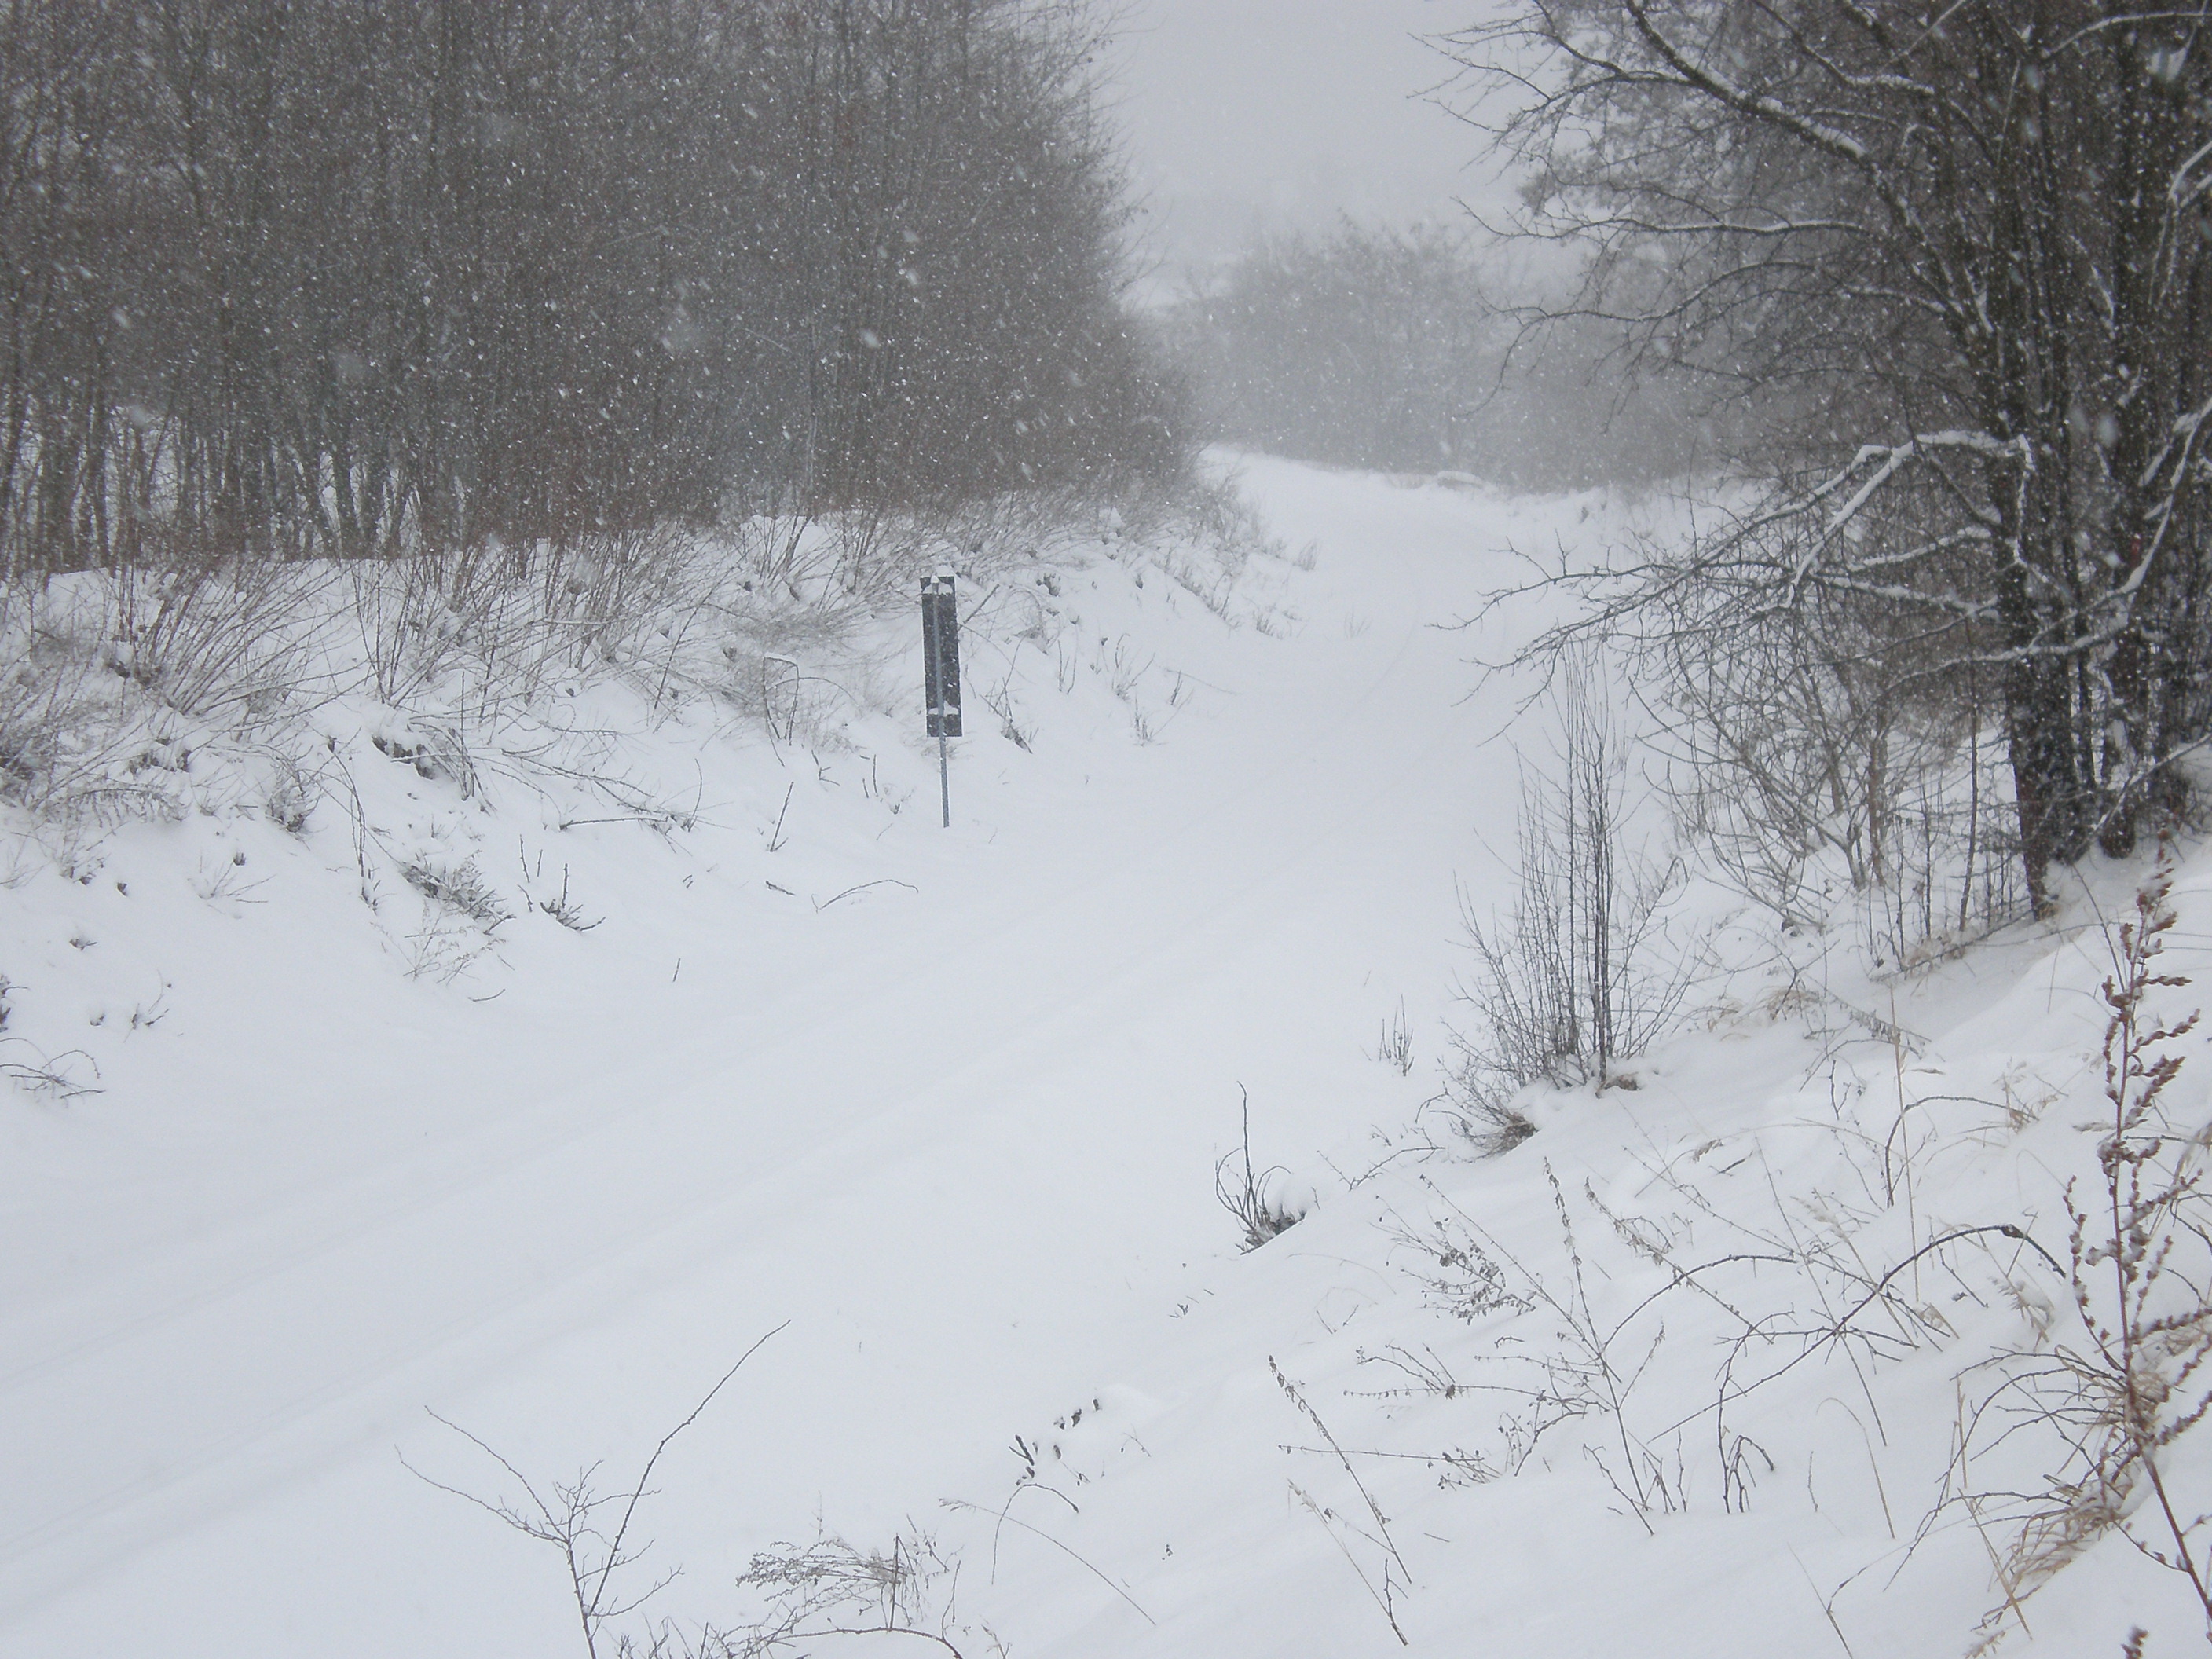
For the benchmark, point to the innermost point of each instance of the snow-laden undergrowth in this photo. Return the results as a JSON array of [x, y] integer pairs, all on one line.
[[530, 1072]]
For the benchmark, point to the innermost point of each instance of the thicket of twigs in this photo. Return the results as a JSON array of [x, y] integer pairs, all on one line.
[[1944, 269], [2077, 1406], [361, 281], [1577, 977]]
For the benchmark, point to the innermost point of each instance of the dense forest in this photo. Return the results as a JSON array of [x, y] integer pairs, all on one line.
[[296, 277]]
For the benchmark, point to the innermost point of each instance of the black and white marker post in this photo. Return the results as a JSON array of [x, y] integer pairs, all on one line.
[[940, 662]]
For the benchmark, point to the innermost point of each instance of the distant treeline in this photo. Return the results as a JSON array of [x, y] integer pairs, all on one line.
[[1377, 347], [351, 276]]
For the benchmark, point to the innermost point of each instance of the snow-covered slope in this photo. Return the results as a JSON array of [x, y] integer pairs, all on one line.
[[941, 1110]]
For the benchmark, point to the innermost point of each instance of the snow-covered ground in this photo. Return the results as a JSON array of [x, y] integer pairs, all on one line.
[[941, 1110]]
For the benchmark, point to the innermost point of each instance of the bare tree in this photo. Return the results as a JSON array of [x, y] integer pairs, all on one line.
[[481, 277], [1956, 257]]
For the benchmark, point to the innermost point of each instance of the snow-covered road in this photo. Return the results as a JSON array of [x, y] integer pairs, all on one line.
[[954, 1133]]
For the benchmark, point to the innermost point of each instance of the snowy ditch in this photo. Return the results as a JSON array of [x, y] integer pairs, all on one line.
[[525, 1048]]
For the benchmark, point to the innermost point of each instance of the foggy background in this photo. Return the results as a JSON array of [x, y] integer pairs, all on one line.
[[1310, 235], [1250, 115]]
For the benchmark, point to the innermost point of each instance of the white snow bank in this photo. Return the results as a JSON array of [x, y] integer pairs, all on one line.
[[944, 1108]]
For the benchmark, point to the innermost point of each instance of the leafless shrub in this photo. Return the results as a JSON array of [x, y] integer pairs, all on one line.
[[1001, 702], [50, 1076], [443, 946], [589, 1529], [412, 615], [1394, 1049], [1587, 1366], [1573, 1345], [490, 623], [435, 751], [1391, 1580], [826, 1589], [214, 638], [86, 744], [1207, 514], [1566, 986], [1829, 748], [1253, 1198], [565, 911], [1121, 670], [225, 884], [1457, 1275], [559, 906], [1210, 588], [831, 1588], [2114, 1404], [59, 727], [1481, 1117]]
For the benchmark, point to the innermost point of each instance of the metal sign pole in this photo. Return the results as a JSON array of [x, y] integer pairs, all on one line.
[[940, 663]]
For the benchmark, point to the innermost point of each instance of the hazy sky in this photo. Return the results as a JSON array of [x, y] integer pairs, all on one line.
[[1242, 112]]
